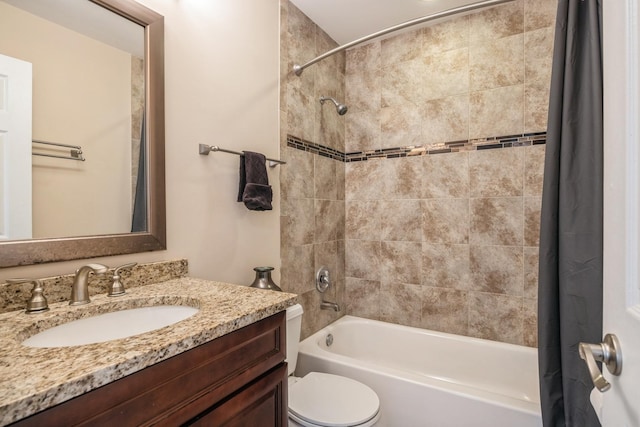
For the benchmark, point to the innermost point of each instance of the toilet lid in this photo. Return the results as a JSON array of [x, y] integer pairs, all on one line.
[[332, 400]]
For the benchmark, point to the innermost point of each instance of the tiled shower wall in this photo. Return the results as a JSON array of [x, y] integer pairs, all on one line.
[[444, 241], [312, 186]]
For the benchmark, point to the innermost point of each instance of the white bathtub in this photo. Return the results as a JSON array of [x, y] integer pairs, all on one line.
[[427, 378]]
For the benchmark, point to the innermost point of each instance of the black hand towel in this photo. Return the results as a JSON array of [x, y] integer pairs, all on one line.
[[254, 189]]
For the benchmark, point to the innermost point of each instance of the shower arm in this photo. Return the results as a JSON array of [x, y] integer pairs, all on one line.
[[298, 69]]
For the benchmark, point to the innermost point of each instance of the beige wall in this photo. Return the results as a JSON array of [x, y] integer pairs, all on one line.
[[221, 82], [82, 96]]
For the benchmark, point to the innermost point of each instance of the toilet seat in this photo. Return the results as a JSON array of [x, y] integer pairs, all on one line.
[[320, 399]]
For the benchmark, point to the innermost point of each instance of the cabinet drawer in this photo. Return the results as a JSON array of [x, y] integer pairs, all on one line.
[[180, 387]]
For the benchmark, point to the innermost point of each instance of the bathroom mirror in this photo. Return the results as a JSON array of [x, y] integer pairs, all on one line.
[[146, 192]]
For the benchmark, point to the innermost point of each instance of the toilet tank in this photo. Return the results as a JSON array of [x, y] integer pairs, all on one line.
[[294, 324]]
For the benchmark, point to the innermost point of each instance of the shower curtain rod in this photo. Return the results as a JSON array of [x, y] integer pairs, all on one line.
[[298, 69]]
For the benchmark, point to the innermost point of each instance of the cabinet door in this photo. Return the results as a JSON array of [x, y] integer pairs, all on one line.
[[263, 403]]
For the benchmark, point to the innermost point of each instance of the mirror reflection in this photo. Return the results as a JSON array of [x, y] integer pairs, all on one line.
[[87, 90]]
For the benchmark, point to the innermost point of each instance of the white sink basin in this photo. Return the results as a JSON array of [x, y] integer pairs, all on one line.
[[111, 326]]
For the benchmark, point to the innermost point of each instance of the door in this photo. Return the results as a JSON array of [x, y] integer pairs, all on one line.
[[15, 148], [621, 22]]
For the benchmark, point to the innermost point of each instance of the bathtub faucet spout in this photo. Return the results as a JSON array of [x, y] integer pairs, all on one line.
[[325, 305]]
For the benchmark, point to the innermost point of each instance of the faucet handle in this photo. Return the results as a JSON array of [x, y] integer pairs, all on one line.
[[38, 302], [117, 288]]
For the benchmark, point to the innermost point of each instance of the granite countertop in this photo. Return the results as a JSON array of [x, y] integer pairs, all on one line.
[[33, 379]]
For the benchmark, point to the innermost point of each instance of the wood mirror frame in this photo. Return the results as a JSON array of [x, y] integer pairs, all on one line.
[[36, 251]]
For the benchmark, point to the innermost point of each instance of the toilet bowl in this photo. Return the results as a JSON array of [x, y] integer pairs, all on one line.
[[325, 400]]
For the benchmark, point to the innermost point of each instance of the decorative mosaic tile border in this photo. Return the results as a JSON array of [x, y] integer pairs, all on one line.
[[420, 150]]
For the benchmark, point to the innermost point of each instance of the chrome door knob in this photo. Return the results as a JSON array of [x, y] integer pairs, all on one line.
[[607, 352]]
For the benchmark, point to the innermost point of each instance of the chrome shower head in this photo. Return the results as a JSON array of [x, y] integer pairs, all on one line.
[[340, 108]]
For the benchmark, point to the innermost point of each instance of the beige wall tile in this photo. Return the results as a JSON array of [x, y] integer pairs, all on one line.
[[497, 63], [497, 221], [530, 322], [325, 177], [401, 262], [314, 318], [329, 219], [496, 22], [402, 47], [340, 182], [400, 126], [496, 317], [364, 180], [496, 112], [294, 179], [300, 41], [401, 178], [362, 131], [445, 310], [538, 54], [539, 13], [398, 83], [445, 221], [534, 170], [363, 298], [325, 43], [297, 222], [446, 266], [297, 274], [362, 259], [532, 208], [497, 269], [536, 106], [401, 220], [363, 58], [531, 261], [362, 219], [496, 173], [363, 91], [300, 107], [402, 304], [326, 255], [448, 35], [445, 119], [329, 126], [443, 74], [445, 176]]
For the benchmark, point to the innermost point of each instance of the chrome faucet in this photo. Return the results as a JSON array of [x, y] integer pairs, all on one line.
[[80, 287], [323, 282]]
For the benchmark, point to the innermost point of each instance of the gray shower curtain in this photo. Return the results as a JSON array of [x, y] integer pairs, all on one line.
[[570, 275], [139, 221]]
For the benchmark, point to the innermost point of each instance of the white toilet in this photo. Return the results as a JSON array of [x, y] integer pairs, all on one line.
[[327, 400]]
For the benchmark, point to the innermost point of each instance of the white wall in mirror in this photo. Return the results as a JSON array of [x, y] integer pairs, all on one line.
[[81, 96]]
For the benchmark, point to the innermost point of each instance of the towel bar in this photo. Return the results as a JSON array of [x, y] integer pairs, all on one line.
[[205, 149], [75, 151]]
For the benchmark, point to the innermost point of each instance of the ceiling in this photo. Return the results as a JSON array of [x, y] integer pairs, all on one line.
[[348, 20]]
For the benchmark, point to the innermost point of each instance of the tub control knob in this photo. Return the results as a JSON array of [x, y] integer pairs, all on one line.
[[323, 281]]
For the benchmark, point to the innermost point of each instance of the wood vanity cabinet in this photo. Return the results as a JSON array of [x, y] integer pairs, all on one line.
[[239, 379]]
